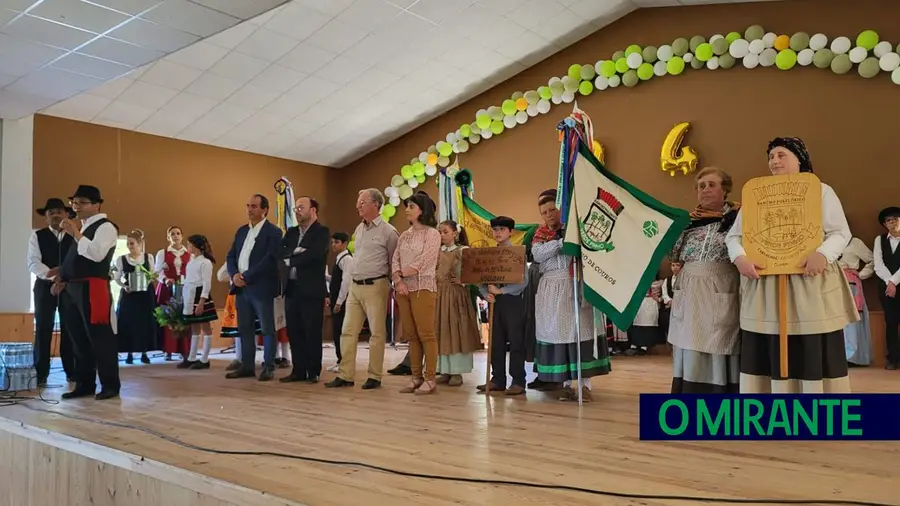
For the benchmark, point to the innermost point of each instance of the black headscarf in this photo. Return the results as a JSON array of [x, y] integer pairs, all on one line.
[[794, 145]]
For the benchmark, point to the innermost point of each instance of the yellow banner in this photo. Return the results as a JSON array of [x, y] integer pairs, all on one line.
[[478, 230]]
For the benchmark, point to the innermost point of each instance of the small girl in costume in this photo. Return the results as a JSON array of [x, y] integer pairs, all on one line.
[[199, 308]]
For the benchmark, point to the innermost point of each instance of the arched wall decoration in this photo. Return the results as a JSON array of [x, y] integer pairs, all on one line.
[[756, 48]]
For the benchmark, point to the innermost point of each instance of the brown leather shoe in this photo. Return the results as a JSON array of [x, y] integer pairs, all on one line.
[[515, 390]]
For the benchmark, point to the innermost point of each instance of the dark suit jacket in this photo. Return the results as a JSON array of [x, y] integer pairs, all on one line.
[[263, 277], [309, 263]]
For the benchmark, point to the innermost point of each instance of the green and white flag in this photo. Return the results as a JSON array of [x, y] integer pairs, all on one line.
[[621, 235]]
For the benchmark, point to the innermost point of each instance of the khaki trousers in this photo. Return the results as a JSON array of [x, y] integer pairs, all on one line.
[[364, 302], [417, 318]]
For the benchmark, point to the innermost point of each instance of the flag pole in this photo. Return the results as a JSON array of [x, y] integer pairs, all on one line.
[[576, 281]]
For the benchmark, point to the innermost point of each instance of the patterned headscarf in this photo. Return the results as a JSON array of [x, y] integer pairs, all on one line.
[[794, 145]]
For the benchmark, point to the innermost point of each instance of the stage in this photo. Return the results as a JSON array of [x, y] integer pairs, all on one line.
[[68, 461]]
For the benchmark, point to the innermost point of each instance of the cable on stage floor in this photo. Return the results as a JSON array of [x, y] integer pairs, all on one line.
[[439, 477]]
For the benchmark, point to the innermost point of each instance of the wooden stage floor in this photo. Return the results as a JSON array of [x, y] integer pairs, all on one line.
[[457, 432]]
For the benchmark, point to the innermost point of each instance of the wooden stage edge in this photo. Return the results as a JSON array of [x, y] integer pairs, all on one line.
[[51, 455]]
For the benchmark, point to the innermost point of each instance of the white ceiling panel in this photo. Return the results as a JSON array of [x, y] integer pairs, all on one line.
[[320, 81], [52, 50]]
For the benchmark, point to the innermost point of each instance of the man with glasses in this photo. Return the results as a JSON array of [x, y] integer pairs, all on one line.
[[887, 268], [370, 288], [86, 297]]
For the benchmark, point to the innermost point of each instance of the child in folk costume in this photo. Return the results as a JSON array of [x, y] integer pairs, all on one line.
[[887, 268], [820, 303], [199, 308], [137, 329], [856, 261], [170, 267], [644, 332], [456, 320], [668, 290]]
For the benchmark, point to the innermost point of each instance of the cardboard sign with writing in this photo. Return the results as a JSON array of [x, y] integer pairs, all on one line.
[[782, 221], [493, 266]]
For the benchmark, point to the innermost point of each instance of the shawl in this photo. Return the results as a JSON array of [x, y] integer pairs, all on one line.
[[702, 217]]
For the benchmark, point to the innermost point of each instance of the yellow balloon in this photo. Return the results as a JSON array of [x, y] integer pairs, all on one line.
[[432, 159], [597, 149], [521, 104], [673, 156]]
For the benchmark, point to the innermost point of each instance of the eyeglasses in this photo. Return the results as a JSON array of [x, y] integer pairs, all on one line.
[[892, 219]]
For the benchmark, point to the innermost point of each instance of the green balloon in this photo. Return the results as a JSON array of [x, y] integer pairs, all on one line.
[[586, 88], [696, 40], [726, 61], [607, 69], [397, 180], [696, 64], [786, 59], [703, 52], [622, 65], [630, 78], [574, 73], [420, 177], [680, 47], [720, 47], [822, 59], [509, 106], [799, 41], [649, 54], [406, 171], [618, 55], [634, 48], [497, 127], [754, 32], [675, 65], [546, 93], [732, 36], [645, 71], [869, 67], [418, 168], [841, 64], [587, 72], [483, 121], [867, 39]]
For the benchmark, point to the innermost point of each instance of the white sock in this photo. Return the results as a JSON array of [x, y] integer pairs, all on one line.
[[237, 348], [195, 340], [285, 347], [207, 345]]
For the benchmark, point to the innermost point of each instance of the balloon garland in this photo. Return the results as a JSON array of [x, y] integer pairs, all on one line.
[[629, 67]]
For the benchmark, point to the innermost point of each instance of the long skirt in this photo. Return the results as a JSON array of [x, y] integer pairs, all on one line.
[[858, 338], [696, 372], [138, 329], [557, 349]]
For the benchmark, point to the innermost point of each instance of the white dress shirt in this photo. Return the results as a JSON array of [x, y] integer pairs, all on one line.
[[666, 296], [222, 275], [137, 263], [834, 224], [345, 263], [881, 270], [198, 273], [858, 257], [249, 242], [104, 239], [36, 263]]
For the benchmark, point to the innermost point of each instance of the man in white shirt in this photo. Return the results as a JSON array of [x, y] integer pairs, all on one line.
[[86, 296], [887, 268]]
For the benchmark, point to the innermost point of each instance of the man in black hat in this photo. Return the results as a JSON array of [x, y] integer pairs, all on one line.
[[887, 269], [87, 297], [46, 249]]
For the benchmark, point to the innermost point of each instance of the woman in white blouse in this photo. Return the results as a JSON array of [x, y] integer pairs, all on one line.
[[857, 264], [137, 329], [820, 303]]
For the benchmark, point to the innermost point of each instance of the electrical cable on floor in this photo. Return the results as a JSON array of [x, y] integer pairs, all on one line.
[[437, 477]]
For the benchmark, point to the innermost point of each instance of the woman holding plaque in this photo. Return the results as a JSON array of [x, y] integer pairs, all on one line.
[[704, 325], [137, 327], [819, 301]]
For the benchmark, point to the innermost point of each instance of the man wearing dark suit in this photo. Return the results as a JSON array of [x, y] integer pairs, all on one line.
[[253, 264], [305, 251]]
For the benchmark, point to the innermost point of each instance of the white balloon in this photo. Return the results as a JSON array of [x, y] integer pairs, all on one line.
[[882, 48], [895, 76], [739, 49], [543, 106], [387, 191], [840, 45], [521, 117], [568, 97], [615, 81], [395, 201], [769, 39], [664, 52], [889, 62], [818, 41], [509, 121], [597, 66], [430, 170], [423, 156], [553, 80], [601, 83], [495, 112], [412, 182], [487, 134], [805, 57], [687, 57], [570, 84], [767, 58], [756, 46], [716, 37], [712, 63], [751, 60], [531, 111], [475, 129], [858, 54], [443, 161], [474, 139], [557, 99], [455, 147], [517, 95], [481, 112], [463, 146], [659, 68], [634, 60]]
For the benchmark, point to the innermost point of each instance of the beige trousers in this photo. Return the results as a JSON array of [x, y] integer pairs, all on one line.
[[365, 302]]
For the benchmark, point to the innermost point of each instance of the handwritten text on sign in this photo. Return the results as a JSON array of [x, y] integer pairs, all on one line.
[[498, 265]]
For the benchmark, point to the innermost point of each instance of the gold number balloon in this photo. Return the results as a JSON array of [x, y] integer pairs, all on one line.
[[598, 151], [674, 156]]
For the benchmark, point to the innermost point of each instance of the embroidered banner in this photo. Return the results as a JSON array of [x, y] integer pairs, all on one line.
[[477, 222]]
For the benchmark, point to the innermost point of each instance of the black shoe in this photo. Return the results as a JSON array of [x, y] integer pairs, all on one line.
[[371, 384], [240, 373], [891, 366], [338, 383], [129, 359], [401, 370], [200, 365], [185, 364], [79, 391], [291, 379], [312, 379], [42, 382], [145, 359], [267, 374], [106, 394]]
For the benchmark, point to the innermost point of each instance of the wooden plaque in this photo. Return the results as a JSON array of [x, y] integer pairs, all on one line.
[[499, 265], [782, 221]]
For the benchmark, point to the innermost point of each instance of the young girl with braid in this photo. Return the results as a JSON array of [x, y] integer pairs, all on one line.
[[199, 308]]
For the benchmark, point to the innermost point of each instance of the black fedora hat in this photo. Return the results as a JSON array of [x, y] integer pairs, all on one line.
[[888, 212], [55, 203], [91, 193]]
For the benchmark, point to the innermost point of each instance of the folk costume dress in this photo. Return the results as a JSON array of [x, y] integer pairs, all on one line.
[[171, 264], [704, 325], [456, 321], [138, 330], [198, 285], [644, 332], [857, 262], [818, 310], [556, 356]]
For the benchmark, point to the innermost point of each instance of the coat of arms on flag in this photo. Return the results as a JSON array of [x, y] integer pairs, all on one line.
[[620, 233]]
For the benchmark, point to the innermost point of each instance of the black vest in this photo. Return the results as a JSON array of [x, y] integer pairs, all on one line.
[[76, 267], [127, 268], [337, 274], [52, 249], [891, 258]]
